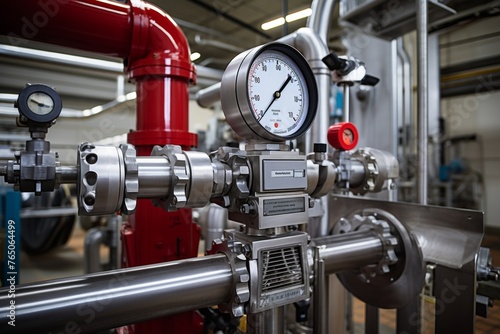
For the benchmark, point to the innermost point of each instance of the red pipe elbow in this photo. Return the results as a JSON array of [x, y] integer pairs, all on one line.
[[158, 46], [155, 51]]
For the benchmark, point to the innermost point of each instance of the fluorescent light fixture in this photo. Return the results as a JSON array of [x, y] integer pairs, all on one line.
[[195, 55], [273, 24], [131, 96], [289, 18], [298, 15]]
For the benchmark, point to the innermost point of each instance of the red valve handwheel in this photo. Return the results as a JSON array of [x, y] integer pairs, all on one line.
[[343, 136]]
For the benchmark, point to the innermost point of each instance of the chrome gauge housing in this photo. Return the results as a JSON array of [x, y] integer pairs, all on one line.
[[269, 93]]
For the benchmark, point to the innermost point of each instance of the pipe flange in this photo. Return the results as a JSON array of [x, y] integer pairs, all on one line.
[[405, 279], [240, 171], [180, 176], [131, 179], [240, 294], [388, 240], [101, 179], [371, 172]]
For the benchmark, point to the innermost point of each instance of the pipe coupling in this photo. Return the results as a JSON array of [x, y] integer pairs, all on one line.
[[192, 178], [101, 185], [131, 178], [383, 231], [380, 168], [323, 177], [240, 292]]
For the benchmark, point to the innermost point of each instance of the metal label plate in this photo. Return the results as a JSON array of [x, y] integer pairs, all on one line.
[[284, 174], [283, 206]]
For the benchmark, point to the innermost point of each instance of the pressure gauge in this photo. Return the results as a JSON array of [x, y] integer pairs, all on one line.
[[39, 103], [343, 136], [269, 93]]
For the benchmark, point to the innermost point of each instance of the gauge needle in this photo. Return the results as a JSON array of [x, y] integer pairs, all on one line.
[[40, 104], [276, 95]]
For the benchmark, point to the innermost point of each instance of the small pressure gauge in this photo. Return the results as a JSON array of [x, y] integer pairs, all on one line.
[[343, 136], [269, 93], [39, 103]]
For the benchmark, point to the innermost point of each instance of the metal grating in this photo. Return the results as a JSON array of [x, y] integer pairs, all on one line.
[[281, 268]]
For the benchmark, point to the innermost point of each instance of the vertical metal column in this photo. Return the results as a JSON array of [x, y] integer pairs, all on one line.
[[393, 191], [408, 318], [455, 293], [346, 116], [371, 319], [284, 5], [320, 296], [422, 98], [270, 321], [406, 314]]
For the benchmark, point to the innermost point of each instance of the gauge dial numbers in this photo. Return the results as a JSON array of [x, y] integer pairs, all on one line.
[[269, 93], [39, 103], [277, 94]]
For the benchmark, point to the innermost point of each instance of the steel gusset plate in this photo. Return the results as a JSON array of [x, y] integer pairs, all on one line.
[[445, 236]]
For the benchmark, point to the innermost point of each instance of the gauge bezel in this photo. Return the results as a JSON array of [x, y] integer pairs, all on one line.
[[25, 110], [235, 97]]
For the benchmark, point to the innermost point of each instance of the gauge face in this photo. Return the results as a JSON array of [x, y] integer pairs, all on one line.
[[40, 103], [277, 93], [343, 136], [348, 136], [269, 93]]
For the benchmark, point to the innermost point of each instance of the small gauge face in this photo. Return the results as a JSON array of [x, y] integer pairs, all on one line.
[[40, 103], [277, 93], [343, 136], [348, 136], [269, 93]]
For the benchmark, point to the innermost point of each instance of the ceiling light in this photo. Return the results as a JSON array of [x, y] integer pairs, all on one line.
[[273, 24], [195, 55], [289, 18], [298, 15]]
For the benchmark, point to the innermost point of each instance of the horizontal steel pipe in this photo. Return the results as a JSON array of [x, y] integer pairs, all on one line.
[[154, 177], [206, 97], [111, 299], [67, 174], [350, 250]]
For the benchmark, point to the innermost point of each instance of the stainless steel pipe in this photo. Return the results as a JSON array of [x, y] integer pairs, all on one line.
[[67, 174], [270, 321], [207, 97], [93, 240], [422, 98], [111, 299], [154, 177], [350, 250]]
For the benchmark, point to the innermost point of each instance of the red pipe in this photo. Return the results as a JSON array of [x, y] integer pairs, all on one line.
[[157, 59], [154, 48]]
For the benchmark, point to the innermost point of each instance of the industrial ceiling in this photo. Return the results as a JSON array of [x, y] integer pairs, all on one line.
[[217, 29]]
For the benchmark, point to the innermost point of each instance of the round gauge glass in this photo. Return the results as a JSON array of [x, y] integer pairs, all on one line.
[[269, 93], [40, 103], [348, 136], [277, 93]]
